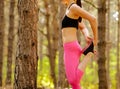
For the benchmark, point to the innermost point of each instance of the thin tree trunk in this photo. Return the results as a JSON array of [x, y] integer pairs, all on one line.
[[1, 37], [52, 37], [62, 81], [26, 58], [50, 52], [55, 32], [10, 42], [108, 43], [40, 50], [118, 50], [102, 44]]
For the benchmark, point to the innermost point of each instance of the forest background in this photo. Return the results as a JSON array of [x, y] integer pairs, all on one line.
[[48, 65]]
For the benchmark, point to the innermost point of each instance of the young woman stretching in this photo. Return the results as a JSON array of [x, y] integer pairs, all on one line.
[[71, 22]]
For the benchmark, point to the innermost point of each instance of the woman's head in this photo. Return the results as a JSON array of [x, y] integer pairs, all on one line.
[[78, 2]]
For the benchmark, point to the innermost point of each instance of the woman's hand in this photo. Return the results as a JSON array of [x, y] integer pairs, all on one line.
[[88, 39]]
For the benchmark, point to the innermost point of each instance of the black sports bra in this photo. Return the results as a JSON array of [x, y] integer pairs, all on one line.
[[69, 22]]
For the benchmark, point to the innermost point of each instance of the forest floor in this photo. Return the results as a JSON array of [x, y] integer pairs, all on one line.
[[11, 87]]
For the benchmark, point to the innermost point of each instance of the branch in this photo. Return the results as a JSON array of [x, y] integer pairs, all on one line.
[[42, 12], [42, 32], [91, 4]]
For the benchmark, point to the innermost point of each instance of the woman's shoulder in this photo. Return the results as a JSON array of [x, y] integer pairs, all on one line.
[[74, 7]]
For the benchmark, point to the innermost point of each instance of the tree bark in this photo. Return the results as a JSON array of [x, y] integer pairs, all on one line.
[[1, 37], [26, 58], [40, 50], [55, 32], [108, 43], [118, 50], [102, 44], [62, 81], [10, 42], [52, 36]]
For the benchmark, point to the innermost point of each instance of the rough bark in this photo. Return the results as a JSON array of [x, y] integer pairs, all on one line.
[[1, 37], [26, 58], [102, 44], [10, 42]]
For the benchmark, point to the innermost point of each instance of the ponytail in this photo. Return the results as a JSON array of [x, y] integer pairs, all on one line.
[[78, 2]]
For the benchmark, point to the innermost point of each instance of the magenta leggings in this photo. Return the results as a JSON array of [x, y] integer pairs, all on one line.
[[72, 53]]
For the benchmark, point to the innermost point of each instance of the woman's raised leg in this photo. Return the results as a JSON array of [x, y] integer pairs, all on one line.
[[85, 61]]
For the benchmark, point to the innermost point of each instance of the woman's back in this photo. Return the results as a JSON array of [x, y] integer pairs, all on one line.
[[70, 26]]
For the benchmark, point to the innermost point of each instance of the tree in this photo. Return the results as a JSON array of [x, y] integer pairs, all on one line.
[[62, 81], [118, 50], [108, 43], [1, 37], [10, 42], [52, 35], [102, 44], [26, 57]]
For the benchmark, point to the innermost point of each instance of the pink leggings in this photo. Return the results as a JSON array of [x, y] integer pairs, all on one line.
[[72, 53]]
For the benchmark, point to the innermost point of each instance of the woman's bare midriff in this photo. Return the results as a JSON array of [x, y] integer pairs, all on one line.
[[69, 34]]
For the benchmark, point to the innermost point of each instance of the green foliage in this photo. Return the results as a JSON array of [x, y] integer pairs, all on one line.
[[90, 78], [4, 69], [44, 79], [113, 63]]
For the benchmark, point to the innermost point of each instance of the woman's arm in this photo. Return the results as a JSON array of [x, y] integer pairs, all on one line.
[[92, 20], [83, 28], [85, 32]]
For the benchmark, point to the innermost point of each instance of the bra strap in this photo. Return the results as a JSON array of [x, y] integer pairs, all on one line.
[[70, 5]]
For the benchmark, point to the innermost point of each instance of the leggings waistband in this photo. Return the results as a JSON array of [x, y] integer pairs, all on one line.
[[70, 43]]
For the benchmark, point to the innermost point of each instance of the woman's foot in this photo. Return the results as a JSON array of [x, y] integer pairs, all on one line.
[[89, 48]]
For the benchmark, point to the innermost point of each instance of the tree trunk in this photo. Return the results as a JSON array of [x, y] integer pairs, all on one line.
[[62, 81], [108, 43], [118, 50], [10, 42], [102, 44], [55, 32], [52, 37], [50, 52], [40, 50], [1, 37], [26, 58]]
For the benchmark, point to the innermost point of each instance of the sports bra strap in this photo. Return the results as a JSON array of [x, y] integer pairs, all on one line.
[[70, 5]]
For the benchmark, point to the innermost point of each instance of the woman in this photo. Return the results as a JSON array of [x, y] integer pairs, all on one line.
[[72, 50]]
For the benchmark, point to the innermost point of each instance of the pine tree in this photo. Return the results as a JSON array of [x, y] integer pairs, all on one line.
[[1, 37], [26, 57]]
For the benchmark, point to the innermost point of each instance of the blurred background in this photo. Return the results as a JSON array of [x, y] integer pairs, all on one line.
[[50, 68]]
